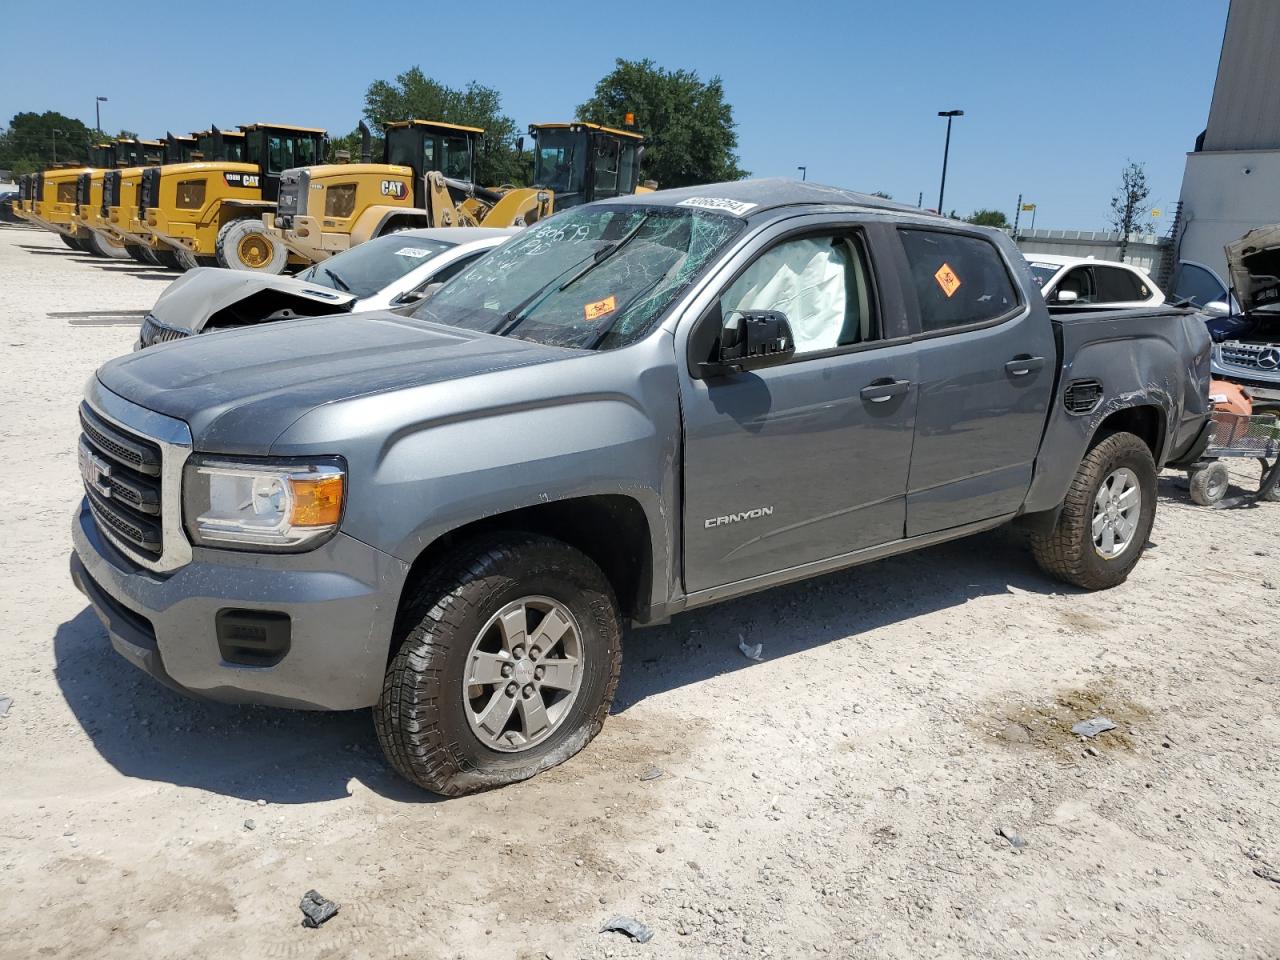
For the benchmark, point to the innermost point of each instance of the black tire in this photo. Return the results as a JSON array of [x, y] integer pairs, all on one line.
[[422, 716], [168, 259], [398, 225], [1209, 483], [274, 256], [142, 254], [71, 242], [1067, 553], [103, 246]]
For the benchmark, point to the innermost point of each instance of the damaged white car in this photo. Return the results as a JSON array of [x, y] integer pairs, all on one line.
[[396, 270]]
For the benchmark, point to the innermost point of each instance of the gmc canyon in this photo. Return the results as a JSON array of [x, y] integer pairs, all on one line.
[[637, 407]]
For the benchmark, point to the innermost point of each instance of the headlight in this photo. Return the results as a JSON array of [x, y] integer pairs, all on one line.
[[264, 506]]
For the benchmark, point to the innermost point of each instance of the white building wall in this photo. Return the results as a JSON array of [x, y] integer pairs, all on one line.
[[1225, 194]]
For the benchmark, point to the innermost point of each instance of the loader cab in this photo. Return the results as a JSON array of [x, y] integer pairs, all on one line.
[[179, 149], [102, 156], [214, 145], [274, 149], [426, 146], [582, 162]]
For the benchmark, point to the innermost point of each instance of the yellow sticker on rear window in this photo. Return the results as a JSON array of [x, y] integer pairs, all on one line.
[[601, 308], [947, 280]]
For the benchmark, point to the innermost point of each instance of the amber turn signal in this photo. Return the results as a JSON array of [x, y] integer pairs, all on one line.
[[317, 502]]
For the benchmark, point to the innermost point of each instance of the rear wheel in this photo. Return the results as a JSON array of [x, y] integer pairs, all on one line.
[[508, 658], [168, 258], [1106, 517], [142, 254], [72, 242], [245, 244], [103, 245]]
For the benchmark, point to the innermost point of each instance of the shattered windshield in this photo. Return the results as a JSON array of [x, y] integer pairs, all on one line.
[[594, 277]]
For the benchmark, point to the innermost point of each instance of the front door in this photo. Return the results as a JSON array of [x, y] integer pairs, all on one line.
[[986, 374], [807, 460]]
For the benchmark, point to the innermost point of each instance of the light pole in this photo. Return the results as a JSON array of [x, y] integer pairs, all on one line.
[[946, 151], [804, 173], [97, 112]]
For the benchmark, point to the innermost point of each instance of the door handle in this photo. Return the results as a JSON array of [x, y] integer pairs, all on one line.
[[880, 391], [1021, 366]]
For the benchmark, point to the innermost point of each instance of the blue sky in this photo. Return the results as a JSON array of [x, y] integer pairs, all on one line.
[[1057, 95]]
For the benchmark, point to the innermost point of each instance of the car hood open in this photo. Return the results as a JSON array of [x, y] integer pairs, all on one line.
[[1254, 264], [213, 297], [239, 390]]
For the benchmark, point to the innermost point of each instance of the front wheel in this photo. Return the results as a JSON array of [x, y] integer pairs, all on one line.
[[245, 244], [508, 658], [1106, 517], [72, 242], [102, 245]]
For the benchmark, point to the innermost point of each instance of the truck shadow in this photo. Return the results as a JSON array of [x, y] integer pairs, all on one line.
[[795, 618], [147, 731]]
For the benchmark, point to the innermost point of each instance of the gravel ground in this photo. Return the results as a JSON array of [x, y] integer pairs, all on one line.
[[840, 798]]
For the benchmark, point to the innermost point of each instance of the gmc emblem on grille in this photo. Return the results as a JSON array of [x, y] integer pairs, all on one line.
[[95, 471]]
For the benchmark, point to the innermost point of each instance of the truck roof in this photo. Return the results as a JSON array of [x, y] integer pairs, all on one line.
[[743, 197]]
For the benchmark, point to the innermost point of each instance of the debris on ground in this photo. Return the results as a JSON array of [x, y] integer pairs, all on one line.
[[634, 929], [1014, 838], [5, 703], [317, 909], [1267, 872], [653, 773], [1091, 728], [250, 824], [752, 651]]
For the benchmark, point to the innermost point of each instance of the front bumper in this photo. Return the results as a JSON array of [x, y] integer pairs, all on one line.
[[1261, 386], [305, 238], [340, 598]]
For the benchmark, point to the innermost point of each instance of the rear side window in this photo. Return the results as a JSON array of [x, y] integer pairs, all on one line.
[[1116, 285], [959, 280]]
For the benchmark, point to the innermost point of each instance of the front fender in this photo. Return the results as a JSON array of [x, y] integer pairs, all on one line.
[[370, 223]]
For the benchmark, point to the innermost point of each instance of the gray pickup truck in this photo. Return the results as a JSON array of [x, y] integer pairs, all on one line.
[[637, 407]]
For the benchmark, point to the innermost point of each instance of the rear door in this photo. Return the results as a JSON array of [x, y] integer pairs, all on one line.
[[986, 371], [808, 460]]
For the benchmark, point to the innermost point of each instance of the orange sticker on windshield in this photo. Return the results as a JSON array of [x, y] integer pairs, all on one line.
[[947, 280], [601, 308]]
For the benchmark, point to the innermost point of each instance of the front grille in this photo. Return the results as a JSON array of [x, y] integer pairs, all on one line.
[[1082, 396], [122, 480], [110, 191], [153, 332], [1252, 356]]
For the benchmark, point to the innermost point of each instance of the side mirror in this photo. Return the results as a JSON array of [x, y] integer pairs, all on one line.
[[1217, 309], [418, 295], [1065, 296], [751, 341]]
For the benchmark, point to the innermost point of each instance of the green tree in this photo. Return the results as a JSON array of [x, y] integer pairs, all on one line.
[[1129, 206], [687, 123], [33, 141], [415, 96], [988, 218]]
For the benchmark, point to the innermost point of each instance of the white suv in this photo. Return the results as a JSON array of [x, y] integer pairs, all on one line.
[[1086, 283]]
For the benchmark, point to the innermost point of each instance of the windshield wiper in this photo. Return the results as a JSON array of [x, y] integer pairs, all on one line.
[[604, 253], [342, 284]]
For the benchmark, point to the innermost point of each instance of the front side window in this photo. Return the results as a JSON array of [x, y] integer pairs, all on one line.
[[340, 200], [595, 277], [1080, 282], [559, 164], [375, 264], [958, 279], [1198, 286], [455, 160], [1117, 285], [820, 283], [191, 194], [276, 153]]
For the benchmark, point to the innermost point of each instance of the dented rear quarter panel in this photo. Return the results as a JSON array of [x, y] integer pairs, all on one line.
[[1157, 358]]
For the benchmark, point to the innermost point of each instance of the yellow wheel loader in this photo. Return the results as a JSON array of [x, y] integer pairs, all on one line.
[[210, 211], [90, 216], [22, 206], [427, 179], [54, 203]]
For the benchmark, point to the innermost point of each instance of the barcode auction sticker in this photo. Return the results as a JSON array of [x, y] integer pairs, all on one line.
[[417, 253], [601, 308], [947, 280], [737, 207]]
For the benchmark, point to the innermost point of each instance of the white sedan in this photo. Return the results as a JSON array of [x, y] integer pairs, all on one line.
[[391, 271], [1082, 283]]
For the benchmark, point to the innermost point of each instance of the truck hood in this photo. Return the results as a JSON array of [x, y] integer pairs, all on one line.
[[240, 389], [211, 297]]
